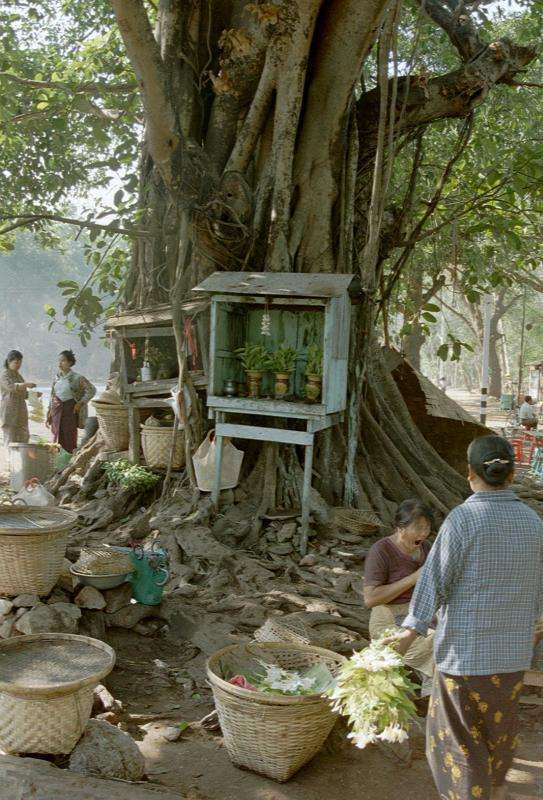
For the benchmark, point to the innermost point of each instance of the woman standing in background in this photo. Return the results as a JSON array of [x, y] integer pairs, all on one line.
[[70, 396], [13, 393]]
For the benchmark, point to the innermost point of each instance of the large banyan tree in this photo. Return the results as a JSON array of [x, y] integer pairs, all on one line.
[[263, 150], [271, 134]]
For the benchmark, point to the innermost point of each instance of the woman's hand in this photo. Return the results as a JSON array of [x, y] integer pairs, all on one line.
[[77, 408], [29, 385], [401, 641], [48, 421]]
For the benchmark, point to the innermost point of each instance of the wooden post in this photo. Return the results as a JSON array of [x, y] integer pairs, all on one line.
[[134, 445], [218, 469], [306, 494]]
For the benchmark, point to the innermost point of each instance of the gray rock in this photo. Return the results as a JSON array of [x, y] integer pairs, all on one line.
[[118, 598], [106, 751], [187, 590], [66, 580], [308, 561], [287, 532], [26, 601], [5, 607], [46, 619], [6, 628], [93, 624], [130, 615], [69, 614], [91, 598], [281, 549], [58, 596], [170, 733]]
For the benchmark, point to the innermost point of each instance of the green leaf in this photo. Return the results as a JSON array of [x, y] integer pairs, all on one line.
[[443, 352]]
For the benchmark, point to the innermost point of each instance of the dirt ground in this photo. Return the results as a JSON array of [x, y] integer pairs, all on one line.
[[149, 678]]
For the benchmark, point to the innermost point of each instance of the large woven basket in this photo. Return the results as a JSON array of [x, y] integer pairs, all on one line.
[[272, 734], [113, 425], [32, 548], [46, 690], [357, 520], [276, 629], [157, 444]]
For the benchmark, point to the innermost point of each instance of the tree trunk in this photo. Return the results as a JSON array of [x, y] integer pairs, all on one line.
[[259, 155]]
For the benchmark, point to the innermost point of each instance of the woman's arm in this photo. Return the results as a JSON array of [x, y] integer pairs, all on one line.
[[88, 390], [10, 385], [382, 595]]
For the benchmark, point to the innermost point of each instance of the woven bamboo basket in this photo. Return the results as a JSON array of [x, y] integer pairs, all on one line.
[[271, 734], [32, 548], [46, 690], [276, 629], [356, 520], [113, 425], [157, 443]]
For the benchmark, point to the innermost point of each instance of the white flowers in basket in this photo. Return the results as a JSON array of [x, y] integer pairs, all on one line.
[[374, 693]]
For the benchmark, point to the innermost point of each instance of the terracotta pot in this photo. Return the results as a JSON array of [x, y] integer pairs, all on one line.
[[254, 381], [313, 387], [282, 384]]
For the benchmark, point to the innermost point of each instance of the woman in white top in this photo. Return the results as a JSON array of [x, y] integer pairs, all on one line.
[[70, 395], [528, 414]]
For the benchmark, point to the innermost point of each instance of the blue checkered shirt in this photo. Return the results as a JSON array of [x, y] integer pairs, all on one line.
[[484, 579]]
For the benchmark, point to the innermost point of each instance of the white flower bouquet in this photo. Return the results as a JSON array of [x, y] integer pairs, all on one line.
[[375, 695]]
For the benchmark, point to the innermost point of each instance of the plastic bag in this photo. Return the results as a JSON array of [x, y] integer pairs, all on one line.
[[34, 494], [62, 460], [204, 464]]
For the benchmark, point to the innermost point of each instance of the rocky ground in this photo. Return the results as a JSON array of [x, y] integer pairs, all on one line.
[[230, 573]]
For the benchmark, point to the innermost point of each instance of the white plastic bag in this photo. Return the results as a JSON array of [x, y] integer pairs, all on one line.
[[204, 464], [34, 494]]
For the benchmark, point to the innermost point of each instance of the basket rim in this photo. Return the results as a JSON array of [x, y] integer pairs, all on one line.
[[67, 687], [262, 697], [59, 527]]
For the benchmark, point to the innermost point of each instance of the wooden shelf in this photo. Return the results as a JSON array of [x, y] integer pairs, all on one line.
[[267, 408]]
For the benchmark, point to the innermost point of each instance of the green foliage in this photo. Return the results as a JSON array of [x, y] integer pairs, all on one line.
[[452, 349], [254, 357], [130, 476], [284, 359], [314, 360]]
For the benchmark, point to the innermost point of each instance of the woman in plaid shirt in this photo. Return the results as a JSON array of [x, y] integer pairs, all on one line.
[[484, 579]]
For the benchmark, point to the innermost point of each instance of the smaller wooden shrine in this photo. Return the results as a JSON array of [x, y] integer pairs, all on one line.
[[302, 312], [148, 364]]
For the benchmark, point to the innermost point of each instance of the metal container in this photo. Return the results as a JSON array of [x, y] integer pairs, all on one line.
[[230, 388], [100, 581]]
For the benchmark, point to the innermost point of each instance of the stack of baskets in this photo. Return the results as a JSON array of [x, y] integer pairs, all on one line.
[[46, 690], [157, 444], [112, 417], [32, 547], [272, 734]]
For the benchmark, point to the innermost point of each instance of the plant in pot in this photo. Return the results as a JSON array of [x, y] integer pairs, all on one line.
[[283, 362], [313, 373], [255, 360]]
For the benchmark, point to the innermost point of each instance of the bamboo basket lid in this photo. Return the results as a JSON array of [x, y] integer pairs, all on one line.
[[48, 664], [29, 521]]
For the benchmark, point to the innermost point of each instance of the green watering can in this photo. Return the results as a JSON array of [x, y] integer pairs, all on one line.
[[151, 573]]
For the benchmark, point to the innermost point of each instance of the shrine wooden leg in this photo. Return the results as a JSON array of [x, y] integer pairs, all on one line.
[[306, 494], [134, 446], [218, 469]]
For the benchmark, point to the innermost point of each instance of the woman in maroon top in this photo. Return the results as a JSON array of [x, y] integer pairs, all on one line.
[[392, 568]]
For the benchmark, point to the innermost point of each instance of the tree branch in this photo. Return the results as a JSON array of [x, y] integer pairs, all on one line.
[[23, 220], [144, 54], [93, 88]]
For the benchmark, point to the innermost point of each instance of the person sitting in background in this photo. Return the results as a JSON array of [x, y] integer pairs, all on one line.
[[13, 392], [392, 568], [528, 414], [70, 395]]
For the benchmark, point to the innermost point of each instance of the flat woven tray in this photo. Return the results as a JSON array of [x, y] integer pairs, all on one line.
[[103, 560], [48, 663], [22, 520]]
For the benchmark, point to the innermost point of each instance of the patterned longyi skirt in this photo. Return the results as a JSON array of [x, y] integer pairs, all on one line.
[[472, 732]]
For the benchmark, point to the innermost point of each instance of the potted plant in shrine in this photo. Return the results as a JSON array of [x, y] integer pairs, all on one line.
[[313, 373], [283, 362], [256, 360]]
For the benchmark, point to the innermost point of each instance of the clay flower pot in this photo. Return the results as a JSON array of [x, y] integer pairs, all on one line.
[[313, 387], [254, 382], [282, 384]]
